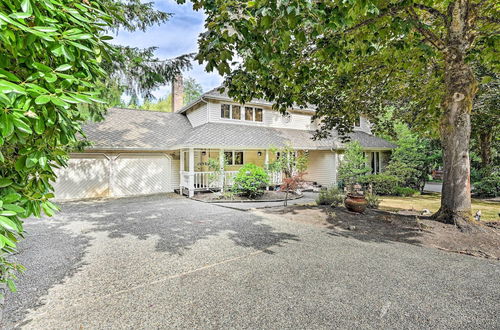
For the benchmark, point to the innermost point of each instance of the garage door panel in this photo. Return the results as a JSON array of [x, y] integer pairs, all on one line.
[[140, 175], [86, 177]]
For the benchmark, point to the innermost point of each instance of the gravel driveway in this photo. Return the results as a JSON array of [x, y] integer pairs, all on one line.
[[162, 262]]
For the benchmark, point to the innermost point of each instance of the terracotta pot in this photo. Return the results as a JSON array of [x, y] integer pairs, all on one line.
[[356, 203]]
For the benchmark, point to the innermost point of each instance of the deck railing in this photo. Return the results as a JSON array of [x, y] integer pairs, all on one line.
[[212, 180]]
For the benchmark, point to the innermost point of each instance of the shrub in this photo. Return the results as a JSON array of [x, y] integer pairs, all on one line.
[[488, 186], [250, 181], [353, 165], [405, 191], [382, 184], [331, 196], [373, 201]]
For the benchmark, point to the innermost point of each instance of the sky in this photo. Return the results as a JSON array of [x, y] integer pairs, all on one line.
[[177, 36]]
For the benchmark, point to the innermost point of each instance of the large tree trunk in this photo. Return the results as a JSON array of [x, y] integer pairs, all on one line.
[[455, 128]]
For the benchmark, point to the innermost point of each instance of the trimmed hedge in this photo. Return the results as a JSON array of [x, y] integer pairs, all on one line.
[[489, 186], [382, 184]]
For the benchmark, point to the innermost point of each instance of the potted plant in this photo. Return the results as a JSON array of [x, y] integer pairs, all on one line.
[[351, 169]]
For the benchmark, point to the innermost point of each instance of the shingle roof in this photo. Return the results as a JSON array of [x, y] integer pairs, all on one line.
[[136, 129], [246, 136], [139, 130]]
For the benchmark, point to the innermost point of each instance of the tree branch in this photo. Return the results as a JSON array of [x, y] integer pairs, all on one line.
[[494, 20], [433, 39], [433, 11]]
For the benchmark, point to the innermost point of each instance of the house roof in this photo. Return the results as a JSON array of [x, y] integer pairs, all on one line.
[[217, 94], [128, 129]]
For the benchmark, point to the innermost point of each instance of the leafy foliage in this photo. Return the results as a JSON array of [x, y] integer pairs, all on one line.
[[489, 186], [332, 196], [50, 59], [373, 201], [250, 181], [382, 183], [414, 157], [291, 184], [288, 162], [353, 165]]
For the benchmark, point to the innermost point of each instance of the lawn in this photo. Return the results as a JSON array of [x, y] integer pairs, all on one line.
[[489, 210]]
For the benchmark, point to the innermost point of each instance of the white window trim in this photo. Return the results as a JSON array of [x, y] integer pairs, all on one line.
[[242, 113]]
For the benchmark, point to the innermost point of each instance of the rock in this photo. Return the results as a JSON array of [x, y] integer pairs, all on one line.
[[426, 212], [351, 227]]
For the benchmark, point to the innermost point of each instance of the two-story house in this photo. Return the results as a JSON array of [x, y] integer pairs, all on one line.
[[145, 152]]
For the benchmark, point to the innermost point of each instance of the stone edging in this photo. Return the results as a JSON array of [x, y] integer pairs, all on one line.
[[247, 201]]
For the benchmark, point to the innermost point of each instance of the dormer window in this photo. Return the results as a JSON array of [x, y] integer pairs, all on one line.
[[231, 111]]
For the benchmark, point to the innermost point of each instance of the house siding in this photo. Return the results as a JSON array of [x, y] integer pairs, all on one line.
[[198, 116], [322, 168]]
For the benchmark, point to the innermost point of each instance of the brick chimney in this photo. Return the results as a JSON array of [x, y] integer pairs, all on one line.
[[177, 93]]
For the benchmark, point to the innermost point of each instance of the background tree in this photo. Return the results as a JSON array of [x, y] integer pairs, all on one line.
[[348, 56], [353, 165], [192, 90]]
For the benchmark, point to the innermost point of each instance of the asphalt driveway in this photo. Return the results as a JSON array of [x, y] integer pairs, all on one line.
[[159, 262]]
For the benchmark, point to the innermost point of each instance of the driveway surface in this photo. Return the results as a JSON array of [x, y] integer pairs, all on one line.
[[159, 262]]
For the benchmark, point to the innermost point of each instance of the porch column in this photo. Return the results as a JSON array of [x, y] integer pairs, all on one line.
[[380, 161], [191, 172], [181, 170], [221, 167], [266, 165]]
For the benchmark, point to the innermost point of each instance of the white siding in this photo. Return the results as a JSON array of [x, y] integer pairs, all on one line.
[[175, 179], [322, 168], [271, 118], [198, 116]]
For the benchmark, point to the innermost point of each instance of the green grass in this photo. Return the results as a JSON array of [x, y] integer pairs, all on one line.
[[489, 210]]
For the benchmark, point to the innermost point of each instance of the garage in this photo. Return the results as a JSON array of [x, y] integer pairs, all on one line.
[[94, 175]]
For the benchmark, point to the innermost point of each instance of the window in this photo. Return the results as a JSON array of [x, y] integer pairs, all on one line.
[[258, 114], [375, 162], [228, 157], [238, 158], [236, 112], [249, 113], [233, 157], [225, 111]]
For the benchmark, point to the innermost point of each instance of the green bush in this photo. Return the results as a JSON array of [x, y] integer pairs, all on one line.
[[405, 191], [373, 201], [488, 186], [382, 184], [250, 181], [331, 196]]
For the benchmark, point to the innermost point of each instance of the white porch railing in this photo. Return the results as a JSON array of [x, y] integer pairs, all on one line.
[[212, 180]]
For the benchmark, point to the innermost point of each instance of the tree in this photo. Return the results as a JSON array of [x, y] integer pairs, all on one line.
[[52, 78], [353, 165], [413, 159], [192, 90], [347, 57]]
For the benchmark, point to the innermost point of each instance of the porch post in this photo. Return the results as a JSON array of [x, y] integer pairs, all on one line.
[[221, 168], [191, 172], [181, 169], [266, 165], [380, 161]]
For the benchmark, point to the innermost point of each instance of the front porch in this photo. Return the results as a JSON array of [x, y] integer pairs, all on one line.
[[215, 169]]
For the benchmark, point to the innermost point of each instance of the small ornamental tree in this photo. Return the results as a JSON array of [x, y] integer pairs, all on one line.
[[250, 181], [353, 166], [291, 183]]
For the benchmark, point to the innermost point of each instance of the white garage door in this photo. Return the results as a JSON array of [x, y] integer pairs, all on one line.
[[140, 175], [100, 175], [85, 176]]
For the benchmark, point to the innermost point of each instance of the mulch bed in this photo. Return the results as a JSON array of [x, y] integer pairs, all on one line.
[[268, 196], [382, 226]]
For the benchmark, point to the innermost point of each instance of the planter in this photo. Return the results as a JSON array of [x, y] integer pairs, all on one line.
[[356, 203]]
